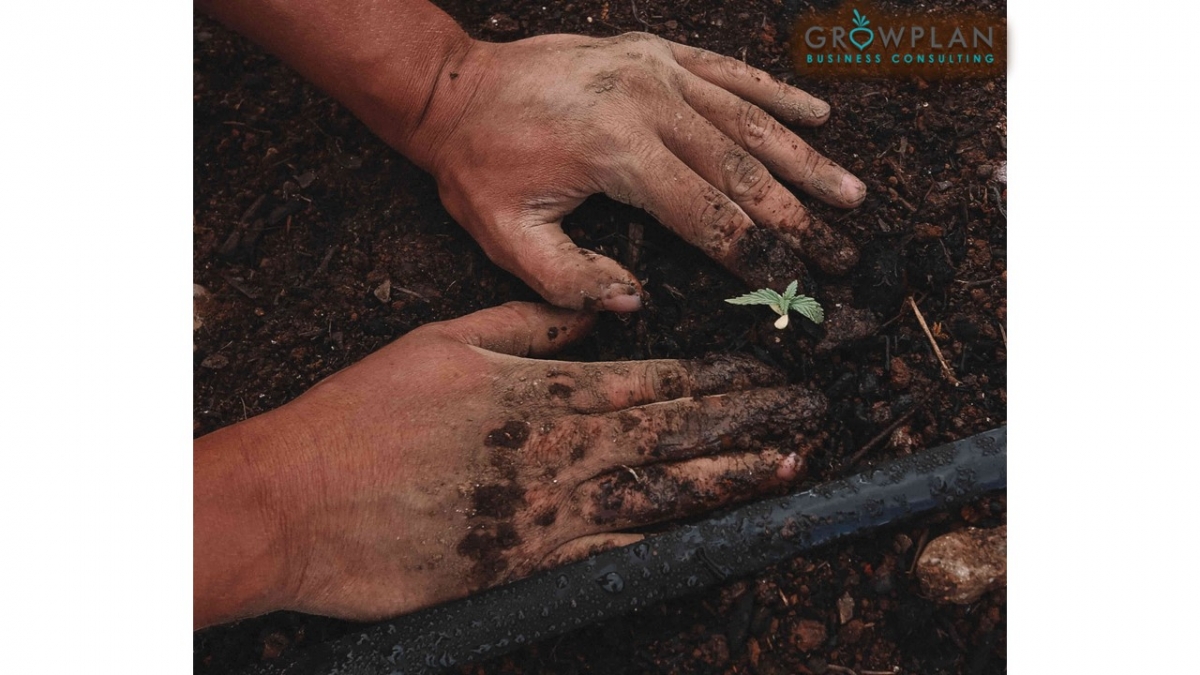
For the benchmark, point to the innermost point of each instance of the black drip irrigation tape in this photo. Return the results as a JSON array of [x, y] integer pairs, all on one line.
[[665, 566]]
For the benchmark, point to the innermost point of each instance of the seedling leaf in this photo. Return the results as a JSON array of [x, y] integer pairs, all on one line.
[[782, 304], [809, 308], [763, 296]]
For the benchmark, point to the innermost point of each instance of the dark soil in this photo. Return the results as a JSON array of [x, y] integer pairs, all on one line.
[[301, 214]]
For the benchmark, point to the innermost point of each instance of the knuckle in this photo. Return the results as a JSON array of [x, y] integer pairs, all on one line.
[[746, 176], [665, 381], [810, 163], [733, 68], [718, 218], [755, 125]]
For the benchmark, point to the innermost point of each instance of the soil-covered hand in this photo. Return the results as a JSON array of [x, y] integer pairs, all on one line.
[[449, 462], [519, 134]]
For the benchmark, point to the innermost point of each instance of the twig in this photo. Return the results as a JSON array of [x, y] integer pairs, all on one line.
[[1002, 333], [980, 282], [637, 16], [936, 350], [893, 671], [830, 668], [878, 438], [919, 550], [410, 292], [999, 205]]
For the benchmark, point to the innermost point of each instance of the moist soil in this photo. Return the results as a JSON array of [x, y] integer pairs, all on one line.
[[301, 215]]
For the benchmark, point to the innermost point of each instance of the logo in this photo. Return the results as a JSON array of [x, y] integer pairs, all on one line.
[[844, 42], [860, 26]]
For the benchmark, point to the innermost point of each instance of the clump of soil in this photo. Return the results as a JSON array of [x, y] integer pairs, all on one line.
[[317, 245]]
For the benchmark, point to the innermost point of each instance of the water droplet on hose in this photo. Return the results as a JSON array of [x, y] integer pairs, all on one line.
[[611, 582], [641, 551]]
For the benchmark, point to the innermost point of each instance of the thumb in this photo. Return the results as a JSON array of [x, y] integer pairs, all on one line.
[[517, 328], [544, 257]]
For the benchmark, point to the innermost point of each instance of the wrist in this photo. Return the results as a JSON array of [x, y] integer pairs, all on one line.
[[414, 107], [243, 561]]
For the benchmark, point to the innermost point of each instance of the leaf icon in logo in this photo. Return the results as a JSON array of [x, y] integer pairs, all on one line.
[[860, 27]]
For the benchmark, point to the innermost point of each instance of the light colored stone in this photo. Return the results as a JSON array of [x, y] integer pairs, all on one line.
[[961, 566]]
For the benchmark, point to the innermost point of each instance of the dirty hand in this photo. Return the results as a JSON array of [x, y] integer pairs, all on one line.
[[519, 134], [448, 462]]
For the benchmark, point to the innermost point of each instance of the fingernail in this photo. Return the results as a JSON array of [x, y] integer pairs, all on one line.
[[621, 298], [820, 108], [853, 189], [788, 468]]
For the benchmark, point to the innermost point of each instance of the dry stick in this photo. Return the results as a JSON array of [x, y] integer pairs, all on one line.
[[936, 350], [1002, 333], [887, 431]]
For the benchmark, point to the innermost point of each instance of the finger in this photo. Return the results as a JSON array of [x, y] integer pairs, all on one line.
[[544, 257], [728, 167], [783, 101], [607, 387], [686, 428], [782, 151], [586, 547], [705, 217], [517, 328], [635, 497]]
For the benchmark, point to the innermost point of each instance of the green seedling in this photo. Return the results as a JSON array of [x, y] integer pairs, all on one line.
[[782, 304]]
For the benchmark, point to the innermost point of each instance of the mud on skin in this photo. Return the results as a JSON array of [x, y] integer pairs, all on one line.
[[553, 477]]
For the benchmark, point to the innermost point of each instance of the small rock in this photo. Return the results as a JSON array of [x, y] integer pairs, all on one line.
[[305, 179], [902, 440], [215, 361], [199, 301], [845, 607], [927, 232], [672, 24], [502, 24], [902, 543], [384, 291], [808, 635], [984, 170], [961, 566], [1001, 173], [900, 377], [944, 185]]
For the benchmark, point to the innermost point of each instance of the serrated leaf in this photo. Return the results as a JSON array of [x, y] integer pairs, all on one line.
[[790, 292], [763, 296], [809, 308]]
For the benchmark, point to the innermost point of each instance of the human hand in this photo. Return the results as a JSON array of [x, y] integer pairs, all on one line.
[[448, 462], [519, 134]]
